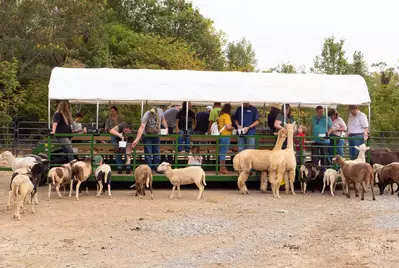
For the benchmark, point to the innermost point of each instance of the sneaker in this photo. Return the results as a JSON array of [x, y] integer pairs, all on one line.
[[119, 171], [128, 171]]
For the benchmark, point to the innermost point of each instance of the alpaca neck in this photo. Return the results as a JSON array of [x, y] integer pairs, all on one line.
[[290, 142], [279, 143], [361, 155]]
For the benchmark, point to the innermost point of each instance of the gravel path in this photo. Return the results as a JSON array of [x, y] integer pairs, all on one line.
[[225, 229]]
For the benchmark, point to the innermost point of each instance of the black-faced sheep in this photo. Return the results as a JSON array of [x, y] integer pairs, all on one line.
[[143, 176], [361, 173], [183, 176]]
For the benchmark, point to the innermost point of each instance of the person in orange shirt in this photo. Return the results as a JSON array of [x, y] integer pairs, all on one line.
[[226, 129]]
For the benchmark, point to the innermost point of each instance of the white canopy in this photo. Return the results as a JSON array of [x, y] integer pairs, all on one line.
[[81, 85]]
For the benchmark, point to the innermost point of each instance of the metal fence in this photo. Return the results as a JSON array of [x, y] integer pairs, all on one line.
[[8, 136]]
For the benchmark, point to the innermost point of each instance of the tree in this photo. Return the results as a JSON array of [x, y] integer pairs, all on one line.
[[11, 97], [358, 65], [332, 59], [241, 56], [176, 19], [283, 68]]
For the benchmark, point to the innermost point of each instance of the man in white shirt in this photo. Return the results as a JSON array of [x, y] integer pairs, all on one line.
[[358, 128]]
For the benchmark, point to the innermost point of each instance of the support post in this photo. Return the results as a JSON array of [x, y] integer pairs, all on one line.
[[142, 109], [186, 117], [49, 114], [242, 115], [98, 110]]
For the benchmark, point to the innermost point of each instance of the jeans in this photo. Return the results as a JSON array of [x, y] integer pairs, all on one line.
[[67, 147], [186, 140], [224, 143], [353, 153], [119, 152], [339, 145], [245, 143], [151, 150], [320, 152]]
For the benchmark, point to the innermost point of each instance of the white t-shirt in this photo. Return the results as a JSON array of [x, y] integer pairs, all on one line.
[[357, 124]]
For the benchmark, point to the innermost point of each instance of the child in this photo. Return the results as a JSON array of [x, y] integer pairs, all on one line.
[[301, 133], [193, 158]]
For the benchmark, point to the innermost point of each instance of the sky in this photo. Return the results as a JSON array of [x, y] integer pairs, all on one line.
[[293, 31]]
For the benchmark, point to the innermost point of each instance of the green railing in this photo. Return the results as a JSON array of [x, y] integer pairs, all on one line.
[[90, 144]]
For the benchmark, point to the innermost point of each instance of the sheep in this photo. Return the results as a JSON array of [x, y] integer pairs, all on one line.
[[21, 187], [386, 174], [384, 158], [330, 178], [16, 163], [358, 173], [184, 176], [252, 159], [58, 176], [103, 175], [310, 174], [41, 158], [81, 170], [142, 175]]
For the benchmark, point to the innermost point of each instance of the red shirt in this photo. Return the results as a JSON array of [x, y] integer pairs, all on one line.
[[297, 141]]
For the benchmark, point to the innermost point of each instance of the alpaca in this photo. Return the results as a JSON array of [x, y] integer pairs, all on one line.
[[253, 159], [283, 165]]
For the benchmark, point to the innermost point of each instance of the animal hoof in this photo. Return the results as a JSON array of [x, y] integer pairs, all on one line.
[[247, 192], [110, 196], [8, 208]]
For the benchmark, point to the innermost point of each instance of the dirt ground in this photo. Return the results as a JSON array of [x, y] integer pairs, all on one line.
[[225, 229]]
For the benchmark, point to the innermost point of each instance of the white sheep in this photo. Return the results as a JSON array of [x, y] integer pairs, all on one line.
[[184, 176], [81, 170], [18, 162], [21, 187], [330, 178], [103, 175]]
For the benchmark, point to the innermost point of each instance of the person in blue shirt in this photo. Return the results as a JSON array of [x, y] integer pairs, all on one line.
[[321, 129], [248, 129]]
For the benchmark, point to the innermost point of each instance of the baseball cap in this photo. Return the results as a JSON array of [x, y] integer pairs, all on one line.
[[209, 108]]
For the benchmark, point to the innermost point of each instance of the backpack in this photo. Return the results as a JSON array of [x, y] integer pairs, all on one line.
[[153, 123], [215, 128]]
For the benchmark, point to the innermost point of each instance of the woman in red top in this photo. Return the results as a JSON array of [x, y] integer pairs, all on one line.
[[301, 132]]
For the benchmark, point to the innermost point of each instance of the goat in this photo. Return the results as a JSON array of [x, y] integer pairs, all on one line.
[[183, 176], [142, 175]]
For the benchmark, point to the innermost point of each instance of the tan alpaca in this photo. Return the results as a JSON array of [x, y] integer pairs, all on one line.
[[283, 165], [258, 160]]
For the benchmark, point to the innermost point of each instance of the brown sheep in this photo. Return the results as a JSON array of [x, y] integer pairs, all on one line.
[[81, 170], [142, 175], [357, 173], [385, 175]]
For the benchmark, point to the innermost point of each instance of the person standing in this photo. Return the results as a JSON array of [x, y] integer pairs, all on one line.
[[281, 121], [118, 133], [226, 128], [338, 126], [181, 126], [214, 114], [202, 121], [77, 126], [358, 128], [271, 117], [170, 117], [321, 128], [62, 121], [151, 125], [248, 129]]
